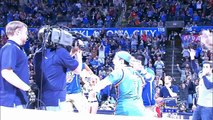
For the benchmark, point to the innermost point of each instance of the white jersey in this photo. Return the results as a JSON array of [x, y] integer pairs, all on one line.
[[205, 95]]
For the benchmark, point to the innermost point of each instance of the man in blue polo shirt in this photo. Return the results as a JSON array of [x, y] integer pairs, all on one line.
[[53, 67], [169, 92], [14, 77]]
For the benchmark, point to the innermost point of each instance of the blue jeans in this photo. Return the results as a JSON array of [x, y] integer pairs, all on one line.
[[203, 113], [189, 100]]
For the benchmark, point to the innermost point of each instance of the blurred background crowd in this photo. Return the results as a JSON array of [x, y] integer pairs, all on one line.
[[106, 13]]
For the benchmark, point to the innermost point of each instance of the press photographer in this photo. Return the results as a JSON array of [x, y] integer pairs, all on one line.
[[51, 63]]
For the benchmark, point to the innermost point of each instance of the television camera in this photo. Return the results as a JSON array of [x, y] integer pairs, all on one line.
[[54, 36]]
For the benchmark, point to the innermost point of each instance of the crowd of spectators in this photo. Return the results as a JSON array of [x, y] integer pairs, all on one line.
[[153, 13], [76, 13], [105, 13]]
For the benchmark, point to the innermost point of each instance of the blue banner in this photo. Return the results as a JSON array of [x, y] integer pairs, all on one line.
[[129, 31]]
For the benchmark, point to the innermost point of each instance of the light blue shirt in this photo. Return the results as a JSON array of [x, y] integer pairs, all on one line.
[[129, 90]]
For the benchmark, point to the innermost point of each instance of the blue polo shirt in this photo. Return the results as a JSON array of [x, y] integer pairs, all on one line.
[[55, 65], [74, 86], [12, 56], [165, 94]]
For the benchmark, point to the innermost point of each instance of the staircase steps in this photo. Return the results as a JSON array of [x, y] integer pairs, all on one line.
[[171, 60]]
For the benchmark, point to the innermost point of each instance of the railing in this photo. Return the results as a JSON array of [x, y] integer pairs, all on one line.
[[173, 56]]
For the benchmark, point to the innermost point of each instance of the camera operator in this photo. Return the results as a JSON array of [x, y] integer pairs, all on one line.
[[53, 65]]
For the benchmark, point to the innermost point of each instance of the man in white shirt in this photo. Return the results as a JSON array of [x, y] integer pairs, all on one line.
[[204, 109]]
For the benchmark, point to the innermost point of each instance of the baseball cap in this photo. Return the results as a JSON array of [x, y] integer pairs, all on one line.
[[208, 62], [124, 55]]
